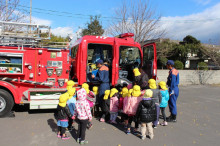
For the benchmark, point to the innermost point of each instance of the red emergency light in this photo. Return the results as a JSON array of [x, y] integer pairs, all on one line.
[[124, 35]]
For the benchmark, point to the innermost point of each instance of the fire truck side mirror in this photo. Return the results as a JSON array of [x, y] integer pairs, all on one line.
[[49, 71]]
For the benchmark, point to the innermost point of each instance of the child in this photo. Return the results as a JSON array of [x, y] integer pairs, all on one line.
[[91, 98], [71, 104], [114, 105], [123, 94], [130, 105], [83, 113], [140, 77], [165, 97], [95, 90], [157, 99], [105, 105], [63, 113], [146, 113], [96, 107], [70, 84]]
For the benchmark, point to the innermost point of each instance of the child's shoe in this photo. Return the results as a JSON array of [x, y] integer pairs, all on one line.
[[114, 122], [128, 132], [164, 123], [89, 126], [78, 140], [102, 120], [151, 137], [143, 137], [154, 126], [65, 137], [58, 135], [84, 142]]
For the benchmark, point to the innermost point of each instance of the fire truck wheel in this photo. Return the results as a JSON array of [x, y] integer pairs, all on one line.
[[6, 103]]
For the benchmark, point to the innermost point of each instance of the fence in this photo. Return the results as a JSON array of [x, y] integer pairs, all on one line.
[[188, 77]]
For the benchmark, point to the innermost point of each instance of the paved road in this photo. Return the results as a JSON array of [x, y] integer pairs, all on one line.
[[198, 124]]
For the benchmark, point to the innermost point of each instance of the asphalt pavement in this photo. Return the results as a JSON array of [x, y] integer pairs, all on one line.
[[198, 123]]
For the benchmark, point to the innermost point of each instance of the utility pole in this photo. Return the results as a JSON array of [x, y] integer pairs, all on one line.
[[30, 9], [6, 3]]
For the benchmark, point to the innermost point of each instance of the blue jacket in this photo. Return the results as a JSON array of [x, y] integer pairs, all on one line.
[[102, 75], [165, 98], [72, 104], [173, 80]]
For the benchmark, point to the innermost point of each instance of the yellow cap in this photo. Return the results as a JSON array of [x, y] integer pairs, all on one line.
[[70, 83], [71, 92], [152, 84], [63, 98], [113, 91], [148, 93], [136, 72], [86, 87], [93, 66], [95, 90], [162, 85], [136, 91], [124, 92], [107, 92]]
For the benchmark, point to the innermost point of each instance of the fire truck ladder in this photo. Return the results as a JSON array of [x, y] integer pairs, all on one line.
[[22, 34]]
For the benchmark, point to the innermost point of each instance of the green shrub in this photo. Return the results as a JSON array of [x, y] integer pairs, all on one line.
[[178, 64], [202, 66]]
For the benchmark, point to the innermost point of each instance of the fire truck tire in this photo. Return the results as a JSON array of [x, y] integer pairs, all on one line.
[[6, 103]]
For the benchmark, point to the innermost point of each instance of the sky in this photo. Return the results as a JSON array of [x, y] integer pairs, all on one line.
[[199, 18]]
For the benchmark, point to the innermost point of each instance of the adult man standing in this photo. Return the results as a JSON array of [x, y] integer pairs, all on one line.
[[172, 82], [103, 77]]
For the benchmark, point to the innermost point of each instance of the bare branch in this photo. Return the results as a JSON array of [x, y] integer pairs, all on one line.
[[136, 17]]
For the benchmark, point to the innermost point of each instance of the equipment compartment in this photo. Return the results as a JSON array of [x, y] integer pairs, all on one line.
[[11, 63]]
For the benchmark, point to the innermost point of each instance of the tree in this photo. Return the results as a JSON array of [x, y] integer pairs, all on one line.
[[190, 40], [212, 53], [94, 27], [136, 17], [9, 12]]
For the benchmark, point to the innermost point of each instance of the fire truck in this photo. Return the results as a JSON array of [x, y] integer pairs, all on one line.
[[120, 54], [34, 74], [30, 72]]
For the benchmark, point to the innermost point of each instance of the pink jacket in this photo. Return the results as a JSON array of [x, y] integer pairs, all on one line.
[[82, 109], [114, 104], [91, 98], [130, 105]]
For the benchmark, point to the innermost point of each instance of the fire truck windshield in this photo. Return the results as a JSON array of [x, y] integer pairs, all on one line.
[[129, 56]]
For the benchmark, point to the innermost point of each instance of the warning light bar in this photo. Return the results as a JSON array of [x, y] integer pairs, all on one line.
[[124, 35]]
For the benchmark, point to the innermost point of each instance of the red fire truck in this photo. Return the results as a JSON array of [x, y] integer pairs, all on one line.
[[30, 73], [37, 75], [121, 53]]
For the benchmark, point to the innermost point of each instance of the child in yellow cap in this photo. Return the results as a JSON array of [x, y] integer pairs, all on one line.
[[71, 104], [114, 95], [156, 97], [105, 105], [140, 77], [130, 105], [63, 113], [164, 101], [91, 98], [146, 114]]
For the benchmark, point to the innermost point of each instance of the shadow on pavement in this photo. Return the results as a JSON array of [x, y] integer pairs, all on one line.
[[52, 125]]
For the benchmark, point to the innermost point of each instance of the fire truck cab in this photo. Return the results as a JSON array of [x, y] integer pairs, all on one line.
[[119, 53]]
